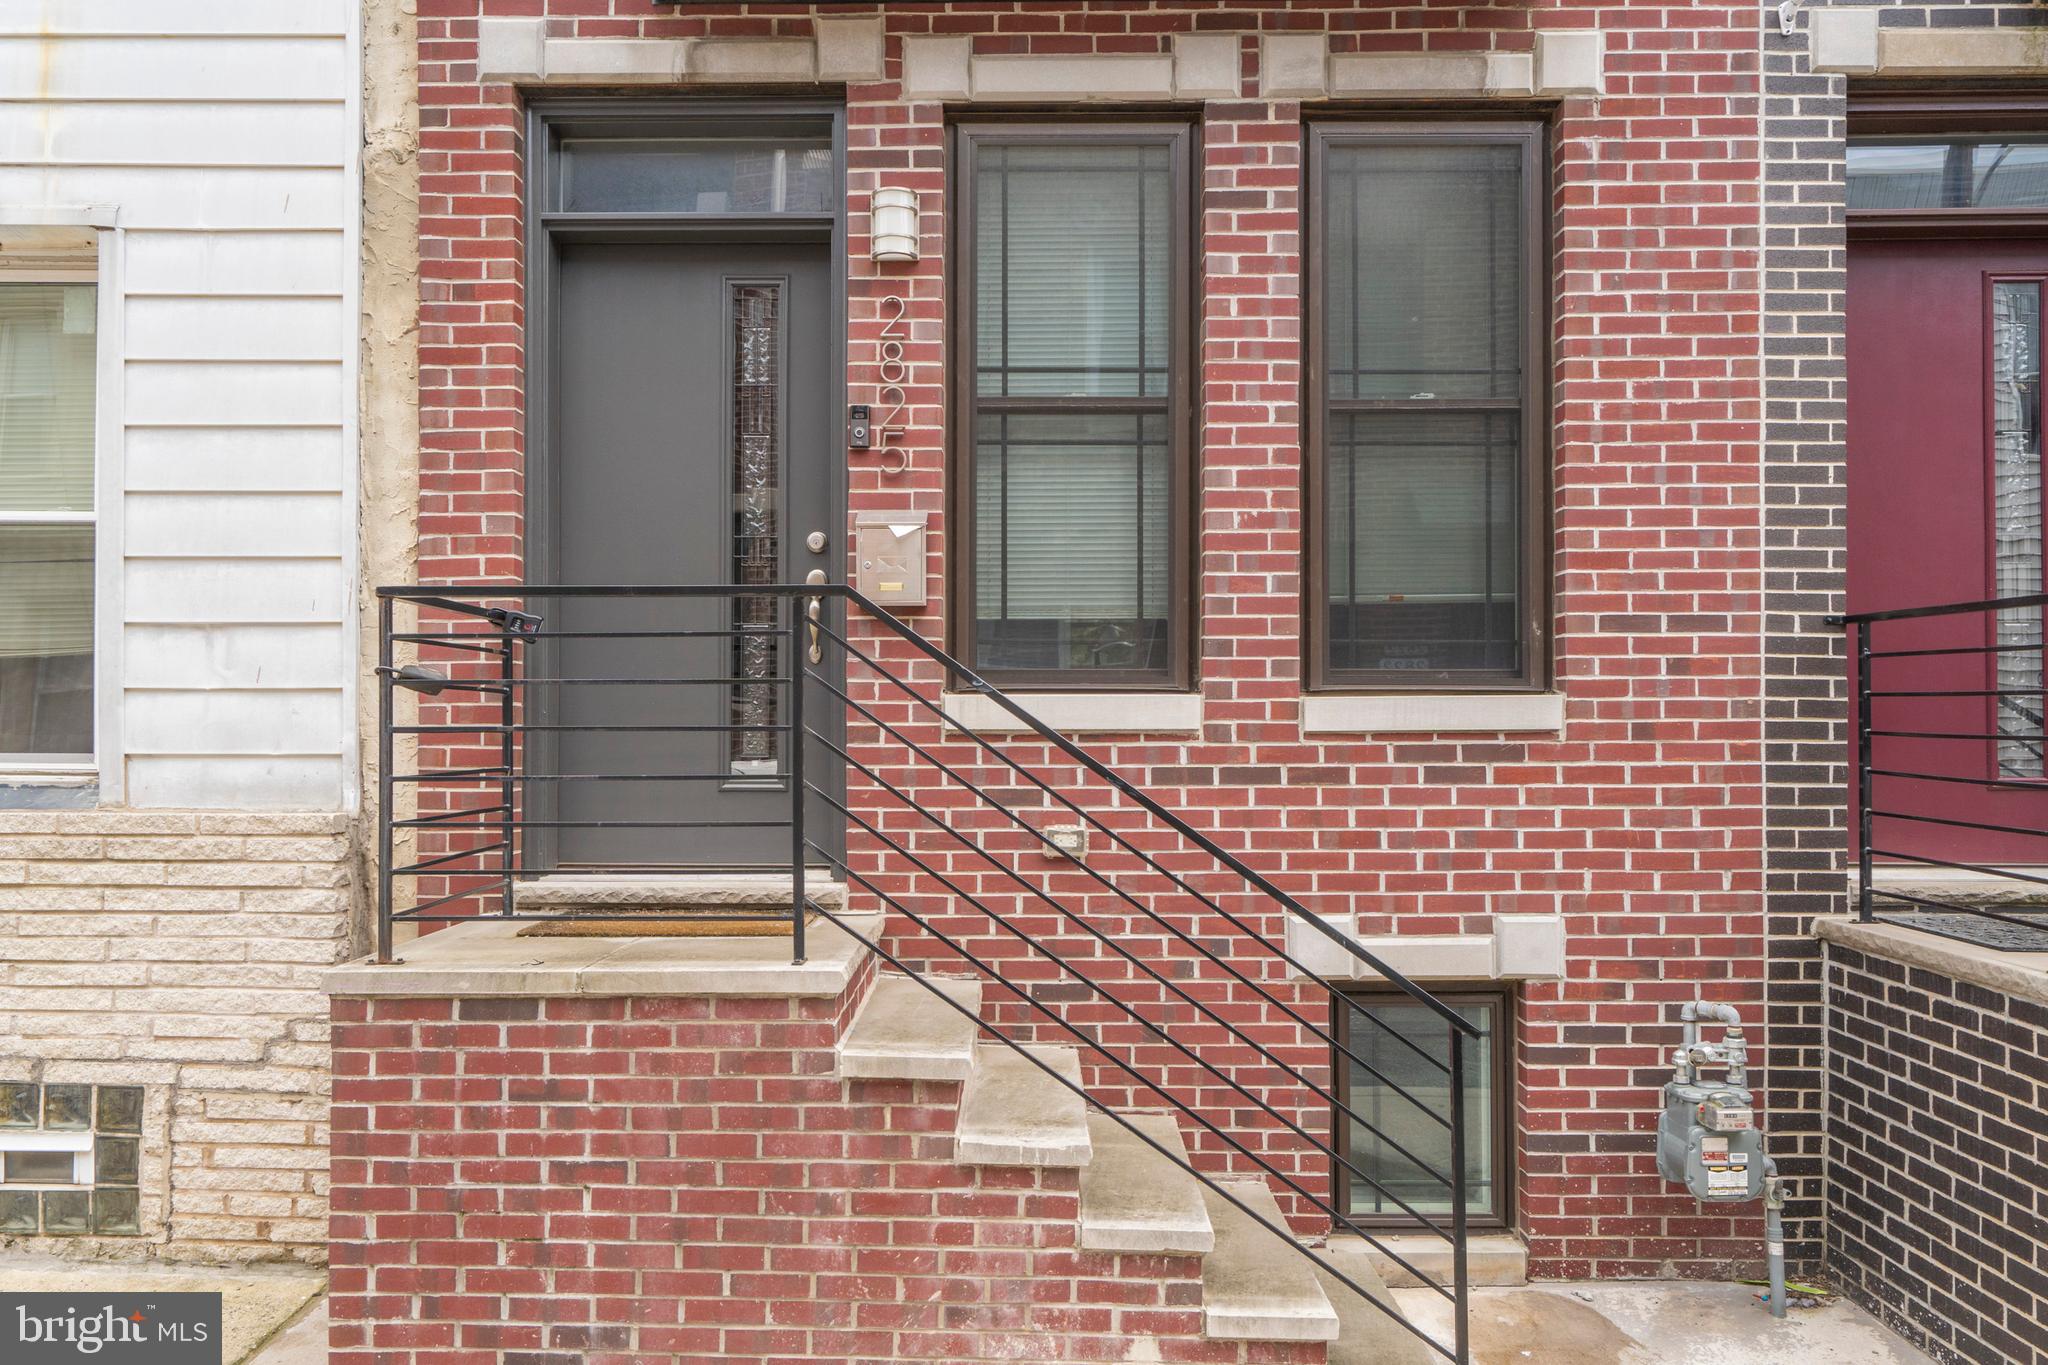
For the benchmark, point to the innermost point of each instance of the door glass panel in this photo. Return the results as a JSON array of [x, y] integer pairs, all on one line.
[[694, 175], [1405, 1121], [1921, 173], [2016, 514], [757, 521]]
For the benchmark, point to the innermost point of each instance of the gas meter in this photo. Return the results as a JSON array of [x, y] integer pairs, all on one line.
[[1707, 1139]]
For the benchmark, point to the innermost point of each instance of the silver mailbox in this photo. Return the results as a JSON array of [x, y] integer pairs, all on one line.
[[889, 562]]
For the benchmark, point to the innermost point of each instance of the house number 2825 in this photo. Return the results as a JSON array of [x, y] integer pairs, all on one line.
[[891, 399]]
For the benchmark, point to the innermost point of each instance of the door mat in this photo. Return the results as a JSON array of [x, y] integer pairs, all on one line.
[[626, 926]]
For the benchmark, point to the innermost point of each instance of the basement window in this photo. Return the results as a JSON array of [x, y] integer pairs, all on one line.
[[70, 1160], [1400, 1087]]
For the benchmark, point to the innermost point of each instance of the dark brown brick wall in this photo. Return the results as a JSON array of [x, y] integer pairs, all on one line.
[[1938, 1164]]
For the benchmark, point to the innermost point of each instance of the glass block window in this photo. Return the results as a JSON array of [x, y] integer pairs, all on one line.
[[70, 1159]]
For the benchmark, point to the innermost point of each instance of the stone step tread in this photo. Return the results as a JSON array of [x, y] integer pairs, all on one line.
[[1255, 1285], [1013, 1114], [672, 891], [905, 1032], [1133, 1199]]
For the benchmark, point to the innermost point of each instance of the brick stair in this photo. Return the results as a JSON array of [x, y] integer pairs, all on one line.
[[1133, 1202]]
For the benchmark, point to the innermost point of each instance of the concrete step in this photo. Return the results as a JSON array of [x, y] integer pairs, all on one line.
[[671, 893], [1256, 1286], [1013, 1114], [905, 1033], [1492, 1259], [1134, 1199]]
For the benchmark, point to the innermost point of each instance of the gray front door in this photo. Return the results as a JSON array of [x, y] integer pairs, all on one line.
[[691, 443]]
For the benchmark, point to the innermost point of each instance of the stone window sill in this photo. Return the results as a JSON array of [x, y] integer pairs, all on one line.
[[1082, 713], [1383, 713]]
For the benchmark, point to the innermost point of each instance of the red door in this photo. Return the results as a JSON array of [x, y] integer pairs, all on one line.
[[1945, 501]]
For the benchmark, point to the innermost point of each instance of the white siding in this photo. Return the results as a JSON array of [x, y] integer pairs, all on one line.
[[222, 133]]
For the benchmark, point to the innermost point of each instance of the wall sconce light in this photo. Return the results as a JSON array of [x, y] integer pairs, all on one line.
[[892, 225]]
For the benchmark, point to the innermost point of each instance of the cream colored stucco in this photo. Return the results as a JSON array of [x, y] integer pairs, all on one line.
[[390, 354]]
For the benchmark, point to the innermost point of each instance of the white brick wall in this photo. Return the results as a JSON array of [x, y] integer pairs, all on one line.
[[182, 950]]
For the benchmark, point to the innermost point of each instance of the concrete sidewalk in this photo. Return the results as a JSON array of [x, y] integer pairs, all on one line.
[[259, 1306], [1658, 1323], [279, 1317]]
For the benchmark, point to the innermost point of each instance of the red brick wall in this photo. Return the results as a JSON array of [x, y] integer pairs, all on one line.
[[1641, 823], [552, 1182]]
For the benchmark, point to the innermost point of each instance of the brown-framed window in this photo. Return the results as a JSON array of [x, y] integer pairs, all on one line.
[[1072, 405], [1428, 425], [1372, 1025], [1909, 173], [1945, 163]]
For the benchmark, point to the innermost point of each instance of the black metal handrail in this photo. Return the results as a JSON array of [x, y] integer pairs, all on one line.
[[489, 641], [1977, 719]]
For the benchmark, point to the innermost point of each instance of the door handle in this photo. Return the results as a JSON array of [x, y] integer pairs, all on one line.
[[816, 606]]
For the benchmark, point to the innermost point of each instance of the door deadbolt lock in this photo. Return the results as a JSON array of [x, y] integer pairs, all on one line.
[[815, 542]]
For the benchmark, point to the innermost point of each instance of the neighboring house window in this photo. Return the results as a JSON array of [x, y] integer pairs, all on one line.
[[1406, 1048], [1907, 174], [1427, 422], [48, 357], [1072, 363], [70, 1159]]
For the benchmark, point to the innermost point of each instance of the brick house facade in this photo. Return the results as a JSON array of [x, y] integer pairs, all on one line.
[[1638, 819], [1645, 808]]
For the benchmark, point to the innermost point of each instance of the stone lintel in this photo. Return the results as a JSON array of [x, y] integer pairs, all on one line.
[[1564, 62]]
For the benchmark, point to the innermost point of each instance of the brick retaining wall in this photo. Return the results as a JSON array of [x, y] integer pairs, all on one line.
[[548, 1181], [1938, 1158]]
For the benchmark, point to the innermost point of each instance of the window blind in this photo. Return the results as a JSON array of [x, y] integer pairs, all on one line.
[[1423, 324], [48, 354], [1073, 245]]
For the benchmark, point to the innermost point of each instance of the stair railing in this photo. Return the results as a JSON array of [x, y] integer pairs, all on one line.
[[1451, 1227], [1951, 707], [485, 645]]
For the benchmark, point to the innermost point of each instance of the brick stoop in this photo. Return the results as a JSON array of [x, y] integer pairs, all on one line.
[[828, 1174]]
